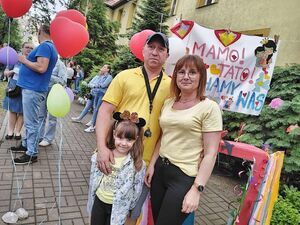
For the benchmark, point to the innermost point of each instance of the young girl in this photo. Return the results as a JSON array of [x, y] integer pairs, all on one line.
[[112, 196]]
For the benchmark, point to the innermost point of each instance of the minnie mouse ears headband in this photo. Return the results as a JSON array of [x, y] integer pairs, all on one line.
[[133, 117]]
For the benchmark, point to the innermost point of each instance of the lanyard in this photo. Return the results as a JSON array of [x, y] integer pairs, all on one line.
[[151, 95]]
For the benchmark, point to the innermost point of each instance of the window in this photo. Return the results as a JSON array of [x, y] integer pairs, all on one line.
[[258, 32], [131, 15], [120, 14], [173, 8], [202, 3]]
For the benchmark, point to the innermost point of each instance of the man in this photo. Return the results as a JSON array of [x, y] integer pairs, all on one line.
[[35, 74], [59, 76], [104, 80], [129, 91]]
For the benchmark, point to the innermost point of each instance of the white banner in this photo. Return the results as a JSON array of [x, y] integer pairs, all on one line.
[[239, 67]]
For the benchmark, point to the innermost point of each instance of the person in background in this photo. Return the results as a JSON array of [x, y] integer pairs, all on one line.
[[79, 77], [104, 80], [142, 90], [34, 78], [185, 154], [95, 85], [14, 104], [59, 76], [70, 74]]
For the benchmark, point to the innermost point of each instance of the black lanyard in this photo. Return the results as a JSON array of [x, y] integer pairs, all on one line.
[[151, 95]]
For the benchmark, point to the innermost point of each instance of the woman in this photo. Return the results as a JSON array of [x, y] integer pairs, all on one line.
[[186, 152], [14, 104]]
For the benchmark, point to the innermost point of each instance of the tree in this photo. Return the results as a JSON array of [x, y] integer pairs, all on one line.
[[101, 48], [15, 37], [151, 14]]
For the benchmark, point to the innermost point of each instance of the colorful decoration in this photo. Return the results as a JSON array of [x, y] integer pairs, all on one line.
[[69, 37], [276, 103], [8, 56], [70, 94], [137, 43], [15, 8], [233, 65], [58, 102]]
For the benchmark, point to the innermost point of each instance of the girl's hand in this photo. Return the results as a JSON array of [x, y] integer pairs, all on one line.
[[191, 200], [148, 176]]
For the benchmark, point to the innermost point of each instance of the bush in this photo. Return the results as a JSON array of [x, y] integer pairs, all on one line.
[[287, 208]]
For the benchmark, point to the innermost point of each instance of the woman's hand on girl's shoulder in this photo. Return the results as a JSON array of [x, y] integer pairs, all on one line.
[[148, 176]]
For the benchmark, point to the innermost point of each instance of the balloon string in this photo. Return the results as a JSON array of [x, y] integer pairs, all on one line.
[[59, 169], [8, 43], [86, 8]]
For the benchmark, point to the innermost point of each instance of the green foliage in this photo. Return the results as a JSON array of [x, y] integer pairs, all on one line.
[[125, 60], [284, 213], [101, 48], [151, 14], [15, 37], [270, 127], [148, 16], [287, 208]]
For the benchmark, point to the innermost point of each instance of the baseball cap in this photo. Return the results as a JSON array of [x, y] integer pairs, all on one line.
[[162, 37]]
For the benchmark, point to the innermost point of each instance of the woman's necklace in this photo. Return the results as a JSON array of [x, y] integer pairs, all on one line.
[[185, 101]]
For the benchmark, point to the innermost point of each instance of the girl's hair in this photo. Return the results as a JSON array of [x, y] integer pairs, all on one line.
[[188, 61], [129, 130], [270, 44]]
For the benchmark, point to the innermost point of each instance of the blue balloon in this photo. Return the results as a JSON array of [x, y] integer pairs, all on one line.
[[8, 56]]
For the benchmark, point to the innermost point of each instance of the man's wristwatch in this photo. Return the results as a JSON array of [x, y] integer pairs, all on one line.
[[200, 187]]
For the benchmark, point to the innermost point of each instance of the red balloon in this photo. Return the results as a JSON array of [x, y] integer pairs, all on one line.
[[16, 8], [68, 37], [137, 42], [73, 15]]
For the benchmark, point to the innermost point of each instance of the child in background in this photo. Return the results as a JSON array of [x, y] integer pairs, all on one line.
[[111, 197]]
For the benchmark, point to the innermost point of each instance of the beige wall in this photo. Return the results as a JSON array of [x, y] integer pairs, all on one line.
[[282, 17], [124, 15]]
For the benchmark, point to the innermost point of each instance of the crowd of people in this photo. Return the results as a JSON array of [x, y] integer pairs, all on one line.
[[156, 135]]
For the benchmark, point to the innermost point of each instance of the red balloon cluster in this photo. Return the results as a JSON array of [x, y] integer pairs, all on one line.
[[15, 8], [69, 33], [137, 42]]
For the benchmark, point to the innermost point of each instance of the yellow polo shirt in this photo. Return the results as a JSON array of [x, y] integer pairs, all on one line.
[[128, 91], [182, 131]]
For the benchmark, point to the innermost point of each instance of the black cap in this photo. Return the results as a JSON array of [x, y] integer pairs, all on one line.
[[164, 39]]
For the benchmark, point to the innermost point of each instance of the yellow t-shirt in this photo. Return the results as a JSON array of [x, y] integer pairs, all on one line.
[[182, 132], [107, 188], [128, 91]]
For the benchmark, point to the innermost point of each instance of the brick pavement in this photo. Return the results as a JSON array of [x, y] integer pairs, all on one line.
[[40, 187]]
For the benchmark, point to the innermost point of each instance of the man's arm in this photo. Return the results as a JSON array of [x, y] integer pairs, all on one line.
[[104, 156], [40, 66]]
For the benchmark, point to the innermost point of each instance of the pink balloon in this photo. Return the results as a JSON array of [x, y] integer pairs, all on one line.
[[73, 15], [69, 37], [16, 8], [70, 94], [137, 42]]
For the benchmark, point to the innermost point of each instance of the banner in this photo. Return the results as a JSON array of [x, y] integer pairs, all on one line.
[[239, 67]]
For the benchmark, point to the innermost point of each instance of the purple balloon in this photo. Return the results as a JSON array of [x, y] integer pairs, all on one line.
[[8, 56], [70, 93]]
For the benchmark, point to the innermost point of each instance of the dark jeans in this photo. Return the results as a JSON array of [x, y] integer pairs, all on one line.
[[101, 213], [168, 187]]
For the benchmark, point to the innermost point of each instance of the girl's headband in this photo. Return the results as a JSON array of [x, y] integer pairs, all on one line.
[[133, 117]]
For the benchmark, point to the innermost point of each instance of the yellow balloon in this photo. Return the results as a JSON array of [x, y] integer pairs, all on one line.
[[58, 101]]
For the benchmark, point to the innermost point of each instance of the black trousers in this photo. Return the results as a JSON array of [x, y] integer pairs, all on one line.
[[169, 185], [101, 213]]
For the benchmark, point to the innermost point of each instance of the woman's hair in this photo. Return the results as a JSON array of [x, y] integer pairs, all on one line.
[[129, 130], [188, 61]]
